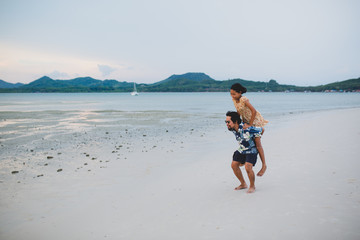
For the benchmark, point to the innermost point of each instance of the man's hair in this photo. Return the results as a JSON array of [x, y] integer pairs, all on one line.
[[237, 87], [235, 117]]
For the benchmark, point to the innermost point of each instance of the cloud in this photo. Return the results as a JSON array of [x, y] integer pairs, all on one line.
[[105, 70], [58, 75]]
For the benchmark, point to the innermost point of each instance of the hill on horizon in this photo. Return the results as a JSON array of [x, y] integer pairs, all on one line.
[[194, 76], [4, 84], [188, 82]]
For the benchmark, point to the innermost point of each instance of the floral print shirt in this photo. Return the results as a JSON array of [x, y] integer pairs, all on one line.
[[246, 139]]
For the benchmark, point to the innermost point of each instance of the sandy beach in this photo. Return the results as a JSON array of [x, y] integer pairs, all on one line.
[[105, 183]]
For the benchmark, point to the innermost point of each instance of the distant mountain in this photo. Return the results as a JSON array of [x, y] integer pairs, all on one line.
[[347, 85], [196, 77], [200, 82], [4, 84], [82, 84], [46, 82], [188, 82]]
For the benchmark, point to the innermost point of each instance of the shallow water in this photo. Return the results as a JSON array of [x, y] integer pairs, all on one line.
[[73, 110], [48, 114], [267, 103]]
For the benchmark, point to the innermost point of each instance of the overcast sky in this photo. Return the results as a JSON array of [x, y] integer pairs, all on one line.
[[301, 42]]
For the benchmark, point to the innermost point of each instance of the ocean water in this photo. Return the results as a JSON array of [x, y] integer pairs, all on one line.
[[269, 104], [154, 109], [34, 125], [266, 103]]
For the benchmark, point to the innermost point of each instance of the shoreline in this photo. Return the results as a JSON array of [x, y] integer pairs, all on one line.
[[183, 187]]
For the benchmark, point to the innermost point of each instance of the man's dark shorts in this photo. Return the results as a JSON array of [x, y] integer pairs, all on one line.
[[242, 158]]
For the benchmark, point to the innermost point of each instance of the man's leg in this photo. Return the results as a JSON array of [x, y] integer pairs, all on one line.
[[262, 156], [237, 171], [251, 175]]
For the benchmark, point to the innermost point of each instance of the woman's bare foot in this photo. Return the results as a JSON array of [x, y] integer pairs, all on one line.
[[242, 186], [251, 190], [262, 171]]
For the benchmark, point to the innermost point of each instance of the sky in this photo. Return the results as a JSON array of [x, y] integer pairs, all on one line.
[[297, 42]]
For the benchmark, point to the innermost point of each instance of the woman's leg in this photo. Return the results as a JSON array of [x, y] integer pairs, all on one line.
[[262, 156]]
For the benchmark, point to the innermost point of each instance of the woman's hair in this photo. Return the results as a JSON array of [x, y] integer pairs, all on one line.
[[237, 87], [235, 117]]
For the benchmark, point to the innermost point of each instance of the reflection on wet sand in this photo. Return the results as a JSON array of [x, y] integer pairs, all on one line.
[[34, 143]]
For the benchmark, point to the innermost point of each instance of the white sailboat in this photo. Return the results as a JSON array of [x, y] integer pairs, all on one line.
[[134, 93]]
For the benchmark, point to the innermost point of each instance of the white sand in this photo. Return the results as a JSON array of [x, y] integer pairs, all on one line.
[[185, 190]]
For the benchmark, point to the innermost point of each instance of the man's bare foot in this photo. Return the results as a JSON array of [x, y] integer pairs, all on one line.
[[262, 171], [251, 190], [242, 186]]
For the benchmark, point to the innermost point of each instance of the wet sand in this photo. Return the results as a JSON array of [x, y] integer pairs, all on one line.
[[67, 177]]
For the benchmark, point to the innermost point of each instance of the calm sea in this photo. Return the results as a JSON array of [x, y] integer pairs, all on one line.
[[27, 118], [269, 104]]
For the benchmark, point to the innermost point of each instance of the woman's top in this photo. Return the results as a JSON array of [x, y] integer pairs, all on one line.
[[245, 113]]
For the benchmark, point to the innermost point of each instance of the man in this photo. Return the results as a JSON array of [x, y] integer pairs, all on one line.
[[247, 152]]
